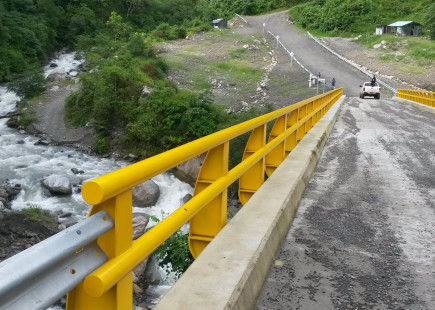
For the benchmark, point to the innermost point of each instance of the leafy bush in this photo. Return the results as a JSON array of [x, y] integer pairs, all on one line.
[[168, 32], [175, 250], [170, 117], [28, 84], [102, 145]]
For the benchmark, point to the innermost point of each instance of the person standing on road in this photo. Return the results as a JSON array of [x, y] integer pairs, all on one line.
[[333, 83]]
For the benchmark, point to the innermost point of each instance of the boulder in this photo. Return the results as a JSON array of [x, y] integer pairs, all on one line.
[[146, 194], [189, 170], [13, 122], [186, 198], [140, 222], [42, 142], [8, 193], [57, 185], [77, 171], [152, 273], [57, 74], [139, 270]]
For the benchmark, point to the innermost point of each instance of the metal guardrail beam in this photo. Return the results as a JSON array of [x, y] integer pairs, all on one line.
[[37, 277]]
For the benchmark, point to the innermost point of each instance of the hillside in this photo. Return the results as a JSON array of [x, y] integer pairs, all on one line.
[[360, 16]]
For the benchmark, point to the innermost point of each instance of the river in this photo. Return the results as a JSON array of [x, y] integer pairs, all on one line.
[[23, 162]]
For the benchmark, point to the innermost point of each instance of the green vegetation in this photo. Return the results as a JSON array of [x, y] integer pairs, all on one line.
[[175, 251], [400, 48], [35, 213], [360, 16]]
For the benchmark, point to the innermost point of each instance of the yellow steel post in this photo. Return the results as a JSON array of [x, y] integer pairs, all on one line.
[[301, 130], [292, 140], [277, 155], [113, 243], [252, 179], [208, 222], [309, 123]]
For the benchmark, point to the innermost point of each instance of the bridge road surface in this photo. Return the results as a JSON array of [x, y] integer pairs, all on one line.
[[364, 234], [311, 54]]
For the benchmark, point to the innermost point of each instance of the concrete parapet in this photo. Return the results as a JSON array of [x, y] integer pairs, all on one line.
[[231, 271]]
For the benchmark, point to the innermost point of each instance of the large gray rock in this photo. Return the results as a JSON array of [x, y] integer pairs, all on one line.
[[146, 194], [57, 185], [140, 222], [152, 271], [189, 170]]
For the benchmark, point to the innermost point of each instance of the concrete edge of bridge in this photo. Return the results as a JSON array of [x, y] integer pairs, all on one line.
[[231, 271], [420, 106]]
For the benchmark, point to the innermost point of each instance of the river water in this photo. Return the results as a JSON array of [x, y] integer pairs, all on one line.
[[23, 162]]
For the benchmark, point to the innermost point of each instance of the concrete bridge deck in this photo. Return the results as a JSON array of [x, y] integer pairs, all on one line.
[[364, 233]]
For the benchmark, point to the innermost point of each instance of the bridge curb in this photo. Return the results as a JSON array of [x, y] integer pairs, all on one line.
[[230, 272], [416, 104]]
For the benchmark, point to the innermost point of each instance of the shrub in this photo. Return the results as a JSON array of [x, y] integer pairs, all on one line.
[[170, 117], [28, 84], [175, 250]]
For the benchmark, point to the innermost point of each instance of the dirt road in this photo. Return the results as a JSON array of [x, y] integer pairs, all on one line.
[[315, 58], [364, 234]]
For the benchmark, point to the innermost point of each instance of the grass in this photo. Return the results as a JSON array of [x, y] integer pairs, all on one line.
[[237, 53], [35, 213], [415, 47], [409, 68], [191, 48], [239, 71]]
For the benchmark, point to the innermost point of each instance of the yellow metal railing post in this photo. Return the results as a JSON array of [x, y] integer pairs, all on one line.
[[113, 243], [301, 130], [252, 179], [292, 139], [208, 222], [277, 155]]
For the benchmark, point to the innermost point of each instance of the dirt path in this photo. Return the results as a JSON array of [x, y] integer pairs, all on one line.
[[50, 118]]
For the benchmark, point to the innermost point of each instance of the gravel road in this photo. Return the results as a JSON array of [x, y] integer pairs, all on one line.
[[312, 55], [364, 234]]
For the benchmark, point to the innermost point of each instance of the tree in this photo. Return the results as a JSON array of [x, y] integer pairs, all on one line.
[[430, 20]]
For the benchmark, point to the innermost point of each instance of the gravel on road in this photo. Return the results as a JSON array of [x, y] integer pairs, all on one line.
[[363, 237]]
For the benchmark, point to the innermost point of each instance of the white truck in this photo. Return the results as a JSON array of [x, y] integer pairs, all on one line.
[[370, 89]]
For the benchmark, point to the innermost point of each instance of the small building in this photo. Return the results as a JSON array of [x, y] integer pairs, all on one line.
[[406, 29], [219, 23], [382, 29]]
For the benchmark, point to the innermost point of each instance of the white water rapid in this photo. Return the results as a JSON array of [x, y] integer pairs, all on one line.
[[23, 162]]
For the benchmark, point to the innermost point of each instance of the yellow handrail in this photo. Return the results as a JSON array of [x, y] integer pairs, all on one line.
[[420, 96], [110, 286]]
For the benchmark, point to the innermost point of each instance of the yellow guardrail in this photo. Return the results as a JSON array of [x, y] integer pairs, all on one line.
[[420, 96], [110, 286]]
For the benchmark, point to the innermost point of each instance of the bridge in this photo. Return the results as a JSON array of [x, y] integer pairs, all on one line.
[[363, 225]]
